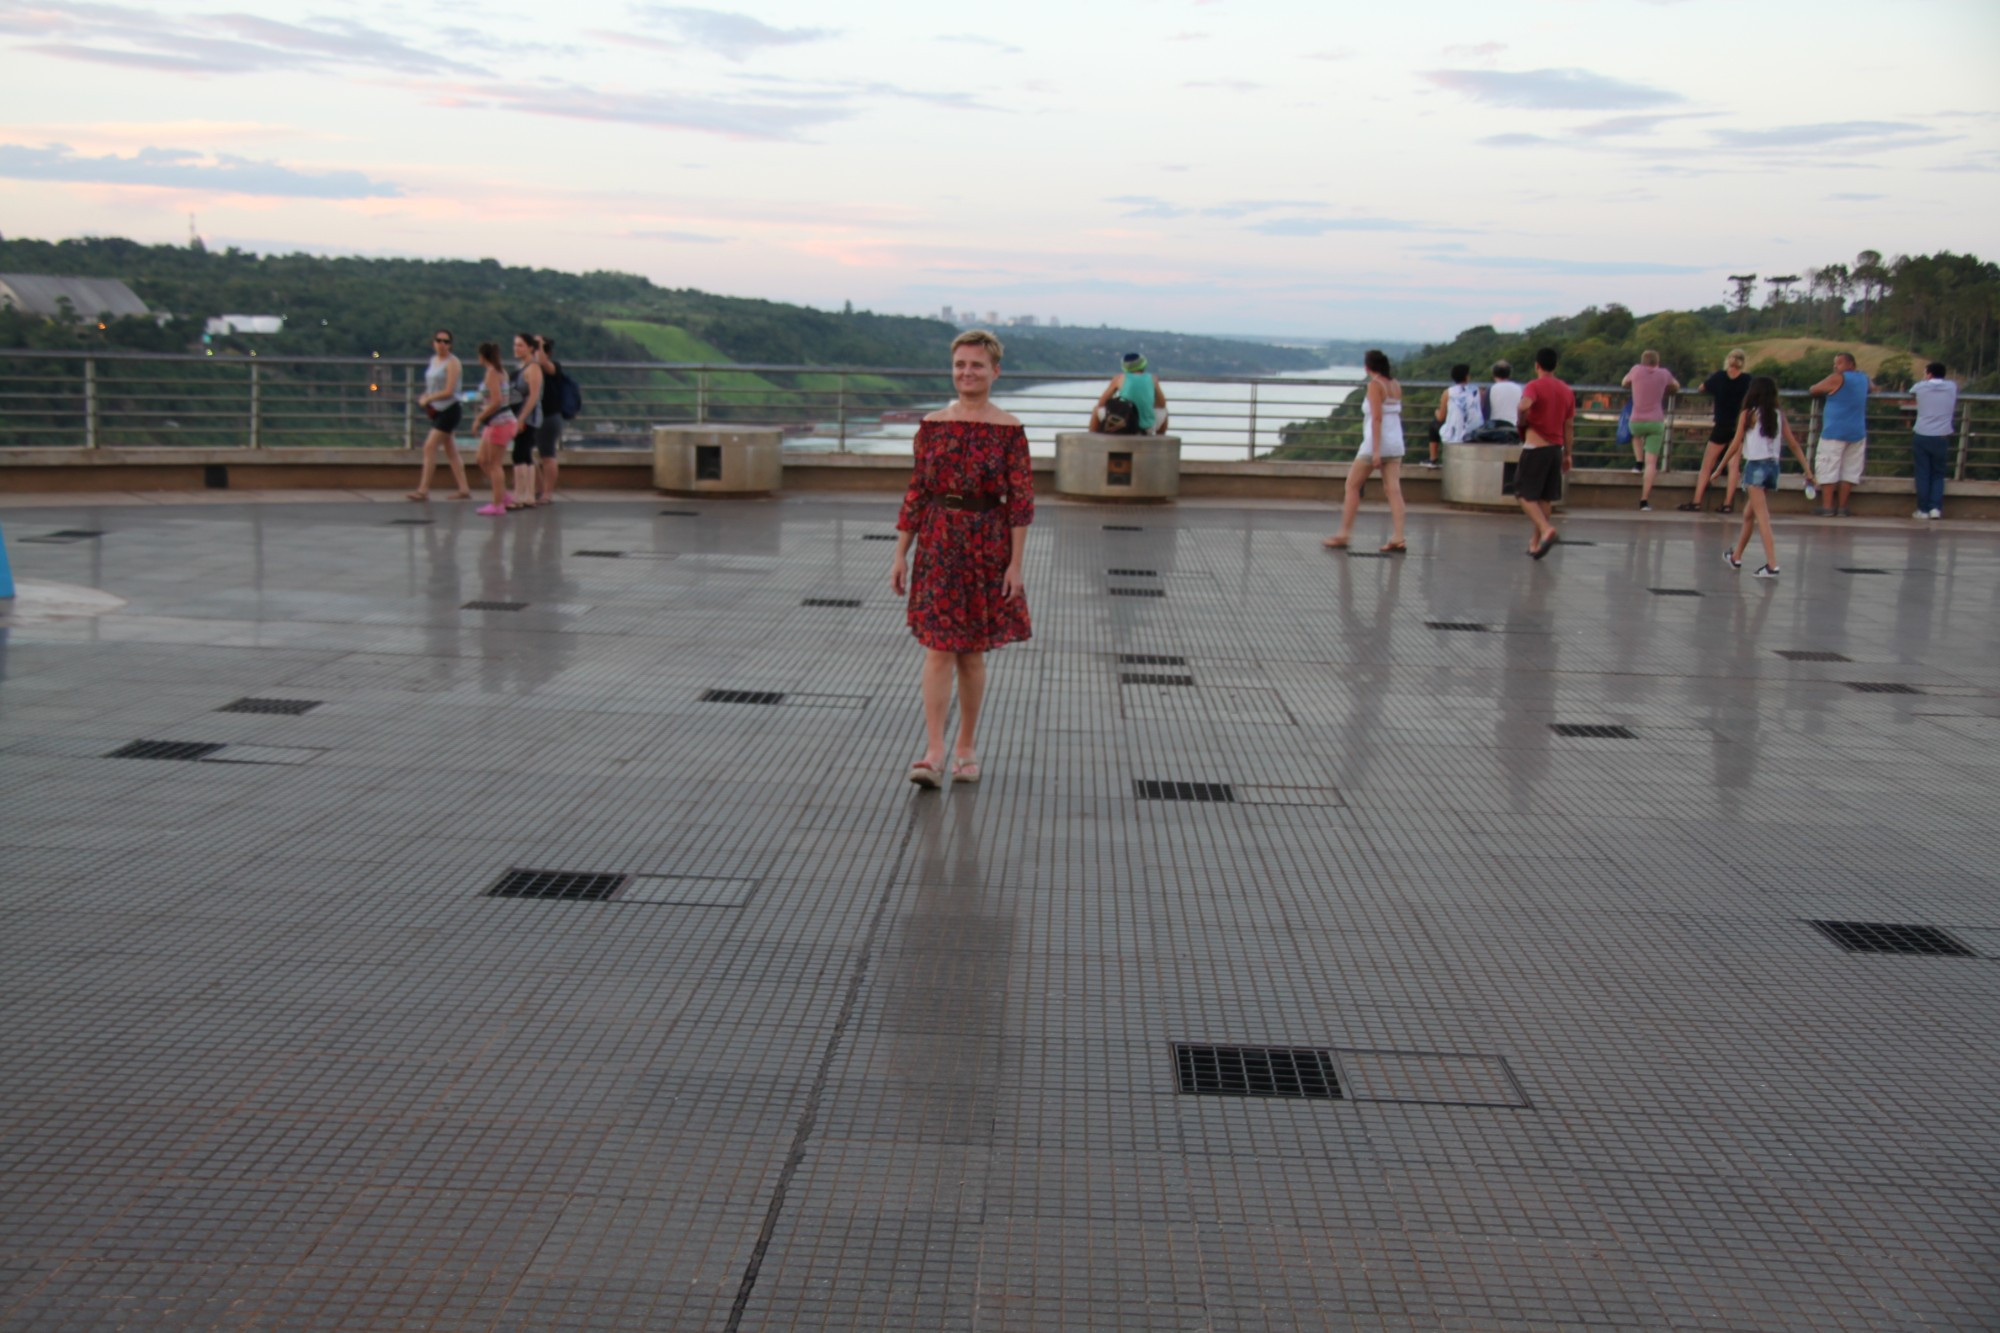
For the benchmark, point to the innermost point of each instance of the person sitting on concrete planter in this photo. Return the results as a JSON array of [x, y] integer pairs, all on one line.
[[1132, 404]]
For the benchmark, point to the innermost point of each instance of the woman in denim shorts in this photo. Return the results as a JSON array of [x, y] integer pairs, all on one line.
[[1758, 432]]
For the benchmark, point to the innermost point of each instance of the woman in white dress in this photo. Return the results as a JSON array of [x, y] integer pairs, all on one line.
[[1381, 447]]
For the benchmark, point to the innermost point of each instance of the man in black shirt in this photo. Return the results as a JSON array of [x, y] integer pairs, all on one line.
[[1725, 388]]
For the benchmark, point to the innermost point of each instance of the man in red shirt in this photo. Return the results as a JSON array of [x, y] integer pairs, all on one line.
[[1547, 410]]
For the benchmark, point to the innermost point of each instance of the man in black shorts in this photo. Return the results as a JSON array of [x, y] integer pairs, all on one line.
[[1547, 410]]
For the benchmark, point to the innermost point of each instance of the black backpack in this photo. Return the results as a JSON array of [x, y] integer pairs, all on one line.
[[567, 395], [1494, 432]]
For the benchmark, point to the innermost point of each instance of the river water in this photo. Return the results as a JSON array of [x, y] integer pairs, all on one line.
[[1213, 421]]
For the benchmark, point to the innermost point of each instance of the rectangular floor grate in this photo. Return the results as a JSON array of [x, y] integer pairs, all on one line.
[[64, 536], [1565, 541], [878, 536], [742, 697], [680, 513], [831, 601], [1154, 789], [494, 606], [1675, 592], [1369, 555], [1150, 678], [1594, 731], [1256, 1071], [288, 707], [600, 555], [1877, 937], [1137, 592], [165, 750], [1121, 527], [1882, 687], [1860, 569], [569, 885], [1811, 655], [1468, 626], [1133, 573], [1150, 659], [411, 522]]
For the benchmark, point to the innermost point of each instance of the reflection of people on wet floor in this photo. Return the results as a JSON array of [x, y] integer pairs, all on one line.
[[440, 404], [1381, 446], [1758, 431], [968, 508], [1547, 410], [497, 425], [1132, 404]]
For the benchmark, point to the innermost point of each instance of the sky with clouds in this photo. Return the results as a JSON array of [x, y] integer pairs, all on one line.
[[1206, 165]]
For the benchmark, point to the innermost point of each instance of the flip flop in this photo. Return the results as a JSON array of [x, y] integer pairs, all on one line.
[[965, 768], [925, 775], [1395, 548], [1542, 548], [419, 496], [1335, 543]]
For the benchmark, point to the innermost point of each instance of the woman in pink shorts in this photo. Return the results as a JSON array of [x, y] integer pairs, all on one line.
[[497, 426]]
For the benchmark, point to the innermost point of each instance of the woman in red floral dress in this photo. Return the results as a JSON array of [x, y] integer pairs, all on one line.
[[968, 508]]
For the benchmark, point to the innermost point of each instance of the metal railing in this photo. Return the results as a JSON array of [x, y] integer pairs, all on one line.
[[99, 400]]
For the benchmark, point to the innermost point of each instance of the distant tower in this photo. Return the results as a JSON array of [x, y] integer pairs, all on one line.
[[194, 237]]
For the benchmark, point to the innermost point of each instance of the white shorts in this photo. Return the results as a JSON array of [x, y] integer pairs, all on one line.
[[1839, 460]]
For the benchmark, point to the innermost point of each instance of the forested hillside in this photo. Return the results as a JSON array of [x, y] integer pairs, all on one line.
[[355, 306]]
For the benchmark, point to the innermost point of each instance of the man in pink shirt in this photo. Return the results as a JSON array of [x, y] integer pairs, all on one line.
[[1650, 385]]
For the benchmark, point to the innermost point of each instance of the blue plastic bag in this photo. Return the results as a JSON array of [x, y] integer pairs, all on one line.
[[1625, 423]]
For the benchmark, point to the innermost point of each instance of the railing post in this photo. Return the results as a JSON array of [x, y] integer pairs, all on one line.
[[1812, 422], [256, 405], [843, 412], [1253, 421], [700, 397], [1964, 438], [91, 403], [409, 409]]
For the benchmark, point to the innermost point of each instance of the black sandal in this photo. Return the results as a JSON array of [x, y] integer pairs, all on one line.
[[1726, 509]]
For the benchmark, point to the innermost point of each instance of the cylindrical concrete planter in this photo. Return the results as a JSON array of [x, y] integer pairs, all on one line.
[[1118, 467], [713, 460], [1479, 476]]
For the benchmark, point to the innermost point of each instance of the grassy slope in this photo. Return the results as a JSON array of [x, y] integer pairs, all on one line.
[[1785, 351]]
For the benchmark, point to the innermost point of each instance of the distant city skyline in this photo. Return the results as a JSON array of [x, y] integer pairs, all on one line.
[[1278, 169]]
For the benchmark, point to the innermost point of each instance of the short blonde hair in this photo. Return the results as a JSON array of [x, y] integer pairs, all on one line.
[[979, 338], [1649, 357], [1737, 356]]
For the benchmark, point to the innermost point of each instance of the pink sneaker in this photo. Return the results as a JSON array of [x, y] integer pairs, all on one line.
[[490, 511]]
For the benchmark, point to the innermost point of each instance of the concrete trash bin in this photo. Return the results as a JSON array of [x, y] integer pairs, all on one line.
[[718, 460], [1118, 467], [1479, 476]]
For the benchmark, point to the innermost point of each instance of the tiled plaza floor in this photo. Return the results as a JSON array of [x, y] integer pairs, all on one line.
[[843, 1054]]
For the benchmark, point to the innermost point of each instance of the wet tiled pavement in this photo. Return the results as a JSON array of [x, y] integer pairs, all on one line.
[[840, 1054]]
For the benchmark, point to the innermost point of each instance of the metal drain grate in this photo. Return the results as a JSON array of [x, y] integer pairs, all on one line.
[[1811, 655], [831, 601], [742, 697], [64, 536], [1256, 1071], [165, 750], [1368, 555], [1468, 626], [1137, 592], [1133, 573], [1150, 659], [1121, 527], [878, 536], [680, 513], [288, 707], [1860, 569], [1675, 592], [494, 606], [1147, 678], [1153, 789], [1594, 731], [1565, 541], [568, 885], [600, 555], [1876, 937], [1882, 687], [411, 522]]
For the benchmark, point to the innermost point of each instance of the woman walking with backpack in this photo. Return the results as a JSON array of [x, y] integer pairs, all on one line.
[[1381, 447], [440, 403], [1759, 428]]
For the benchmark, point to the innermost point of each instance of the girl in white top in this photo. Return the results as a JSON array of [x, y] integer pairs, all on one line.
[[1381, 446], [1758, 432], [440, 403]]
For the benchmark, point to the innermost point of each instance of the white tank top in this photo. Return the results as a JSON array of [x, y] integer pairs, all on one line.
[[1757, 446], [436, 376], [1392, 429]]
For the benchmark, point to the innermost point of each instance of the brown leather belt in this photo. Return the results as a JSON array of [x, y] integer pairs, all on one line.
[[977, 504]]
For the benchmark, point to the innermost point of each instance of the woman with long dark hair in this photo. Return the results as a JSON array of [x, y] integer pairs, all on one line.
[[497, 425], [1759, 429], [968, 509], [1381, 446]]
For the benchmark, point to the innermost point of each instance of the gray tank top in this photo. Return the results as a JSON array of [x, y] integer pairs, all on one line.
[[517, 394], [437, 376]]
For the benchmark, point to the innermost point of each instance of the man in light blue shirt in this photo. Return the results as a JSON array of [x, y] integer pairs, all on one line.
[[1930, 442]]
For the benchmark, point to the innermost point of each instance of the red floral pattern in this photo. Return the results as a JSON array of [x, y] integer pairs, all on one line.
[[961, 561]]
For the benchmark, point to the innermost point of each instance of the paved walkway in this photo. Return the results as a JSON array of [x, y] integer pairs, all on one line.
[[835, 1053]]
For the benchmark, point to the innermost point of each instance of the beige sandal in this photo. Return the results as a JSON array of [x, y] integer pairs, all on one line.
[[965, 768], [924, 775]]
